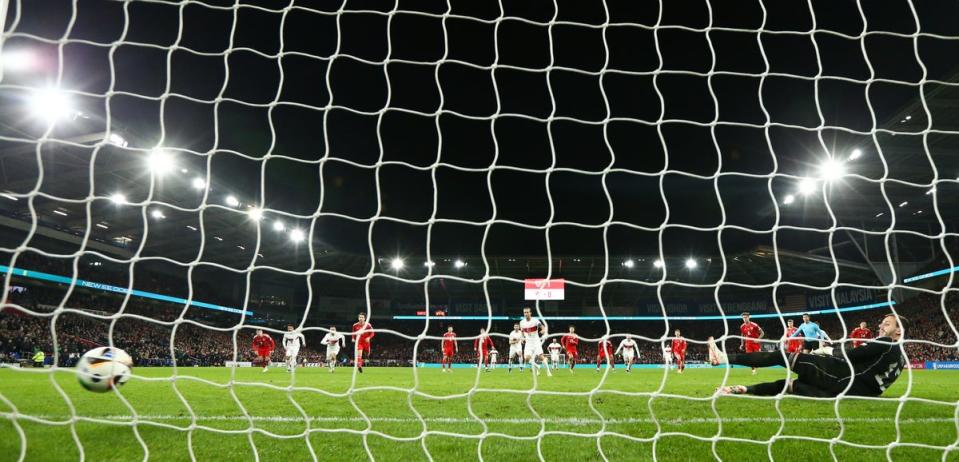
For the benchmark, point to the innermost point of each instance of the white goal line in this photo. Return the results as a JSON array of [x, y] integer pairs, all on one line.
[[467, 420]]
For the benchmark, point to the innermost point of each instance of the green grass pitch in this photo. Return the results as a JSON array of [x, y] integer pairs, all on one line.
[[560, 421]]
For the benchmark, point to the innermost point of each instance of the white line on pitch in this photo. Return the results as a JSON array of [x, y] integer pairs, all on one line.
[[466, 420]]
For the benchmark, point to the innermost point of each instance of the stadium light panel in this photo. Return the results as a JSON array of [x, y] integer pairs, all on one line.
[[629, 263], [691, 263], [832, 170], [20, 60], [856, 153], [807, 186], [51, 105], [658, 263], [904, 203], [117, 140], [198, 183], [9, 196], [101, 225], [880, 214], [297, 236], [60, 212], [232, 201], [397, 264], [255, 213], [429, 263], [789, 199], [459, 264], [118, 198], [160, 162], [158, 214], [278, 226]]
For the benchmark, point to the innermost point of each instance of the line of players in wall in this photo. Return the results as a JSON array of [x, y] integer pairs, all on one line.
[[526, 345]]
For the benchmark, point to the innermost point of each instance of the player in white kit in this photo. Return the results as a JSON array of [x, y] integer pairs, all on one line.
[[554, 349], [493, 357], [533, 348], [292, 341], [667, 355], [515, 347], [629, 348], [333, 341]]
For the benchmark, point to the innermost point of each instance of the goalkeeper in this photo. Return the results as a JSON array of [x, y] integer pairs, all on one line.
[[869, 370]]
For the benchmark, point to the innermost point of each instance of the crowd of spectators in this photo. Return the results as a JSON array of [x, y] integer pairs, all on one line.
[[201, 337]]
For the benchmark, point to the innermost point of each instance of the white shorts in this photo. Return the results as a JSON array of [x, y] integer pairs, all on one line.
[[515, 350], [554, 357], [628, 357], [292, 352], [332, 351], [533, 347]]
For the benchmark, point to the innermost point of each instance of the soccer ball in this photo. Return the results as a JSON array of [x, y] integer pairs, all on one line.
[[101, 369]]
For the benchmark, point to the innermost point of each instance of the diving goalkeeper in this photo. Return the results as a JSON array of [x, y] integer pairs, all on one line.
[[826, 372]]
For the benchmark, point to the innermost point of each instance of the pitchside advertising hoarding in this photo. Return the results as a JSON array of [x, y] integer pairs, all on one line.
[[943, 365], [545, 289]]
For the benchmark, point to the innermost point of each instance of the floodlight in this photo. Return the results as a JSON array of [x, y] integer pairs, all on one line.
[[629, 263], [856, 153], [198, 183], [118, 198], [278, 226], [807, 186], [789, 199], [158, 214], [832, 170], [658, 263], [459, 263], [255, 213], [51, 105], [232, 201], [160, 162], [691, 263], [429, 263], [19, 60], [117, 140], [297, 235], [396, 263]]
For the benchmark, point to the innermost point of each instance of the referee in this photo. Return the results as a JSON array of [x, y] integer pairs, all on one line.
[[868, 371], [811, 332]]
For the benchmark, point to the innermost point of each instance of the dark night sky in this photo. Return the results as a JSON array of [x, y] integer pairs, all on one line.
[[440, 117]]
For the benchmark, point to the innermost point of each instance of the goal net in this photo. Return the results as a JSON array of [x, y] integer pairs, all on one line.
[[177, 175]]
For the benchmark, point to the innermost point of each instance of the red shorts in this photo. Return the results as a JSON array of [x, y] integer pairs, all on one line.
[[680, 356], [264, 352], [572, 353], [602, 354], [363, 346], [794, 347], [448, 351], [752, 347]]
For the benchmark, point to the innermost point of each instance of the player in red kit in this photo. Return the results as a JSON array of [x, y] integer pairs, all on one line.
[[570, 342], [861, 334], [679, 352], [482, 345], [750, 330], [604, 351], [263, 346], [792, 345], [362, 334], [449, 348]]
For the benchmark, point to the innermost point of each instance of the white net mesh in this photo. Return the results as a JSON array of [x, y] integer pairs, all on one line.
[[152, 141]]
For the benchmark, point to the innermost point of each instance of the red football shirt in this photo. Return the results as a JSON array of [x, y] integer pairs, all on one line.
[[749, 330], [449, 341], [483, 343], [570, 342], [263, 342], [605, 348], [679, 346], [860, 333], [364, 332]]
